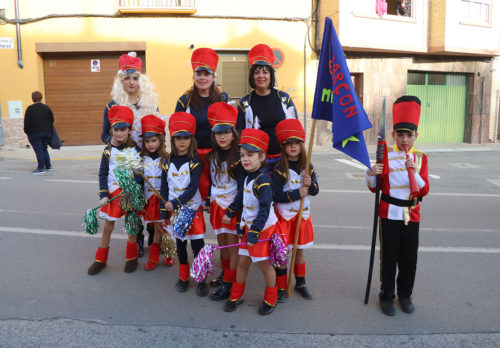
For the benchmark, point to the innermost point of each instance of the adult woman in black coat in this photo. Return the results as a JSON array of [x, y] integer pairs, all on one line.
[[38, 121]]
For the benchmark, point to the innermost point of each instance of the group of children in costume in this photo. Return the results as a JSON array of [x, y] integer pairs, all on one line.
[[241, 197], [248, 200]]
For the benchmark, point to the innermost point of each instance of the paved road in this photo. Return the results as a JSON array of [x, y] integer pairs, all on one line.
[[47, 299]]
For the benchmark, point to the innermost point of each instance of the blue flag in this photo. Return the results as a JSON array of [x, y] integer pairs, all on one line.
[[336, 100]]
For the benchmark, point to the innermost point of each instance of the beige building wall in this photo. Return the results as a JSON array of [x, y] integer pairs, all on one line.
[[168, 40]]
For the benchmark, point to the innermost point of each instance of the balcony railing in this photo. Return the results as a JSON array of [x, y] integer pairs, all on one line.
[[157, 6]]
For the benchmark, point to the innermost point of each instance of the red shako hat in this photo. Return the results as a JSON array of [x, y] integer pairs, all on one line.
[[406, 113], [120, 116], [222, 117], [290, 130], [152, 125], [181, 124], [204, 59], [261, 54], [130, 63], [254, 140]]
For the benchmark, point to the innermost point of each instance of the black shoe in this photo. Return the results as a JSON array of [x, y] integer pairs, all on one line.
[[266, 309], [282, 296], [131, 266], [304, 291], [202, 289], [96, 268], [222, 293], [230, 306], [140, 246], [182, 285], [406, 305], [388, 308], [218, 281]]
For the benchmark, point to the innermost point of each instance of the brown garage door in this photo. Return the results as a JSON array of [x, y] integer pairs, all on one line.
[[78, 96]]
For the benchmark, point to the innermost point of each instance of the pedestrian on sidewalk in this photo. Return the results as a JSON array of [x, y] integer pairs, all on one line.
[[38, 121], [399, 210]]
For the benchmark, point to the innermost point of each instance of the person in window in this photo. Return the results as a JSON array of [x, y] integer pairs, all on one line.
[[403, 8], [265, 106]]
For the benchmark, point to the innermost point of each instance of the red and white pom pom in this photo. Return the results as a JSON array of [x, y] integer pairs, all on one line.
[[278, 251], [203, 264]]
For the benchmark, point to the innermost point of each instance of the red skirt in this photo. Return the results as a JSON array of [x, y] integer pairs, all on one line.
[[153, 209], [259, 251], [205, 175], [216, 215], [112, 211], [289, 227], [197, 230]]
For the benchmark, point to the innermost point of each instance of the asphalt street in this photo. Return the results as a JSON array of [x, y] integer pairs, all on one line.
[[47, 298]]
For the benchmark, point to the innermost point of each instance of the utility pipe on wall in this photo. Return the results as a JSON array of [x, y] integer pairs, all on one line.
[[18, 33]]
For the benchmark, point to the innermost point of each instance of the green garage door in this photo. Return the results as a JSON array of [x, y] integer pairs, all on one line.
[[443, 99]]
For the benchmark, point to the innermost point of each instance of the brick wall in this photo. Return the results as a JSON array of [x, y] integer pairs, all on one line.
[[13, 134]]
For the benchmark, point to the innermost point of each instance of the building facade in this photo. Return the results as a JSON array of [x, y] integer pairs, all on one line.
[[60, 41], [444, 51]]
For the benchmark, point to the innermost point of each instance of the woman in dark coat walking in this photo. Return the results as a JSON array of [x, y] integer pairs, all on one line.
[[38, 121]]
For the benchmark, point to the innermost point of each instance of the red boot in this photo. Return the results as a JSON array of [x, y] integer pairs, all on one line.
[[154, 257], [101, 257]]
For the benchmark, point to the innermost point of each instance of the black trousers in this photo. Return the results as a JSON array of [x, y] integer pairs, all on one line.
[[196, 246], [39, 143], [398, 249]]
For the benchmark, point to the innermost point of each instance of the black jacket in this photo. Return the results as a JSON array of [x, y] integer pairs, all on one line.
[[38, 118]]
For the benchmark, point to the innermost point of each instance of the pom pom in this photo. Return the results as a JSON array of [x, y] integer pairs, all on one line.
[[130, 188], [203, 264], [168, 247], [132, 54], [182, 219], [278, 251], [133, 225], [90, 222], [130, 160]]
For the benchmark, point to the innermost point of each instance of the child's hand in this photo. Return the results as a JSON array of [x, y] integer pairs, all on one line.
[[104, 202], [252, 238], [169, 206], [377, 168], [226, 220], [410, 163], [303, 191], [306, 180]]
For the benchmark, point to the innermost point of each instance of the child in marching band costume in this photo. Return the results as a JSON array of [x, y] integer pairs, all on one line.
[[121, 119], [226, 179], [290, 184], [154, 153], [179, 186], [399, 212], [258, 220]]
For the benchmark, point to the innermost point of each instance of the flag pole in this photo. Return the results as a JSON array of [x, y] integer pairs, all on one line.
[[301, 208], [381, 145]]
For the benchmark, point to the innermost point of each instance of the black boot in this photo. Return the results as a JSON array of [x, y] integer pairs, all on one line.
[[202, 289], [266, 309], [222, 293], [140, 244], [182, 285], [304, 291], [217, 281], [230, 306], [282, 296]]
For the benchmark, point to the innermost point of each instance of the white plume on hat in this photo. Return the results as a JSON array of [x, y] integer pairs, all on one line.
[[132, 54]]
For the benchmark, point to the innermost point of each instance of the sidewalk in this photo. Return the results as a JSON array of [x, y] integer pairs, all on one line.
[[95, 151]]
